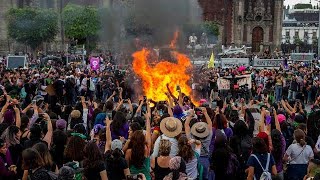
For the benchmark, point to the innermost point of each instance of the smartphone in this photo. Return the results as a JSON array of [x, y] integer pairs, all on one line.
[[160, 112], [178, 88], [134, 177], [144, 99], [109, 114]]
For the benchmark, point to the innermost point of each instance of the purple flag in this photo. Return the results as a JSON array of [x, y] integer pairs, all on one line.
[[95, 63]]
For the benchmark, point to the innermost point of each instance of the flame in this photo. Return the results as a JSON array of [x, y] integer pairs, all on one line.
[[155, 78], [174, 40]]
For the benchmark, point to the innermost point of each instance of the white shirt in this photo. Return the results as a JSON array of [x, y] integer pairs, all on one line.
[[295, 149], [174, 146]]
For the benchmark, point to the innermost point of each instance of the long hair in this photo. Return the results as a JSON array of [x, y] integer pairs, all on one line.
[[118, 121], [164, 147], [92, 156], [10, 135], [44, 153], [74, 149], [113, 159], [31, 159], [220, 122], [299, 136], [277, 145], [259, 146], [185, 150], [137, 146]]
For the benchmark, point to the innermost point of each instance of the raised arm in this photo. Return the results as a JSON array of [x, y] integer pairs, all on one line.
[[276, 120], [205, 113], [48, 136], [4, 108], [108, 135], [187, 128], [148, 126], [130, 106], [18, 118], [110, 98]]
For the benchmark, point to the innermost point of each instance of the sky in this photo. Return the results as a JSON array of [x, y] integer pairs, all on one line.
[[293, 2]]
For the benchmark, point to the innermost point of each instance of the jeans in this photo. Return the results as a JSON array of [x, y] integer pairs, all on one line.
[[278, 93], [296, 171], [292, 95], [204, 161]]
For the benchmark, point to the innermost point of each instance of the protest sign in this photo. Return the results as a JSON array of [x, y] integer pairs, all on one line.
[[223, 84], [232, 62], [267, 63], [95, 63]]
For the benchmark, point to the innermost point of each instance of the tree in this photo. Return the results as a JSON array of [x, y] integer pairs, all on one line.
[[81, 22], [32, 26], [211, 28]]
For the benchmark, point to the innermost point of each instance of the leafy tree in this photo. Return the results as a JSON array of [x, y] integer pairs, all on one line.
[[32, 26], [81, 22], [211, 28]]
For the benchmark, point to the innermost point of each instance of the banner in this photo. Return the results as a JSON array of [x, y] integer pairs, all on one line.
[[95, 63], [264, 63], [246, 79], [16, 62], [223, 84], [232, 62]]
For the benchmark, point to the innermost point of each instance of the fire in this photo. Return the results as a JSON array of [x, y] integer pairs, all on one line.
[[174, 40], [155, 78]]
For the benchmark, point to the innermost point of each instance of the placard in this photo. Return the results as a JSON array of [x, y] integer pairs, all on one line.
[[16, 62], [95, 63], [223, 84], [267, 62], [246, 79], [232, 62]]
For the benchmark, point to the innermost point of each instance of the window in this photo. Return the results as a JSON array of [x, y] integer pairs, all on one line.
[[314, 35]]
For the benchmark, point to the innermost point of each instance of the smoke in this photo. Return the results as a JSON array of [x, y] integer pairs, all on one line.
[[153, 22]]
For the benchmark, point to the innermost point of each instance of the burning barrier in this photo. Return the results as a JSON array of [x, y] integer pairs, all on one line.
[[156, 77]]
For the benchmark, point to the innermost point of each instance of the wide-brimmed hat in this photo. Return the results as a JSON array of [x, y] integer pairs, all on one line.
[[171, 127], [200, 130]]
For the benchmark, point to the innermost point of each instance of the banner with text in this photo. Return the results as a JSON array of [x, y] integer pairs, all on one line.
[[232, 62], [267, 63]]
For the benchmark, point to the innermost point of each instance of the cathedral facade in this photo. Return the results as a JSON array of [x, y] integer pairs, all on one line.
[[247, 22], [242, 22]]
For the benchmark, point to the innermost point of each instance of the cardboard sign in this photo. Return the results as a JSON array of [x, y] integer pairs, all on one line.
[[95, 63], [223, 84]]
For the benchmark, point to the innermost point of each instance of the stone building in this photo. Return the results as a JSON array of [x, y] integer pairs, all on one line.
[[242, 22], [247, 22]]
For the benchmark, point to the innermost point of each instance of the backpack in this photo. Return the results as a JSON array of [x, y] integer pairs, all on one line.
[[199, 167], [233, 165], [266, 175], [51, 174], [76, 167]]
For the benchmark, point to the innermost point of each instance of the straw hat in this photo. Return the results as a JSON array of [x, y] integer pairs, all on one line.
[[200, 130], [171, 127]]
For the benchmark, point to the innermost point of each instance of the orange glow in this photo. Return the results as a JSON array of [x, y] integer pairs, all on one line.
[[155, 78], [174, 40]]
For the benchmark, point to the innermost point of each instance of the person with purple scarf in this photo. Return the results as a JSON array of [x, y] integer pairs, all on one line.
[[7, 169]]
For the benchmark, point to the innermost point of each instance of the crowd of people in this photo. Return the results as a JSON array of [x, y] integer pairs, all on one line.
[[74, 123]]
